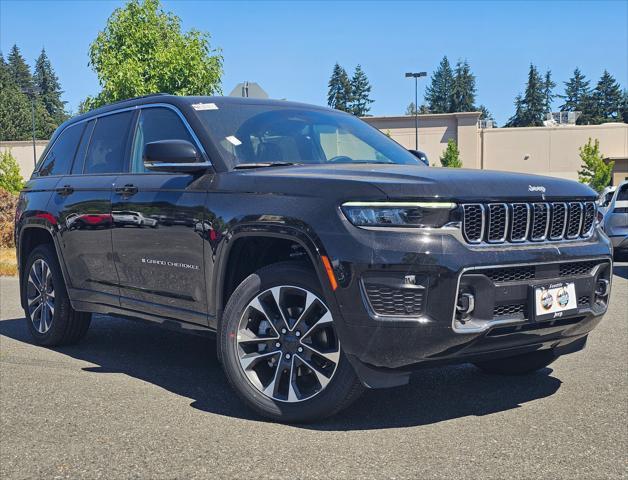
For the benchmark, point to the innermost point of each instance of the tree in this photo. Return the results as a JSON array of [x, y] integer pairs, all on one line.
[[19, 70], [607, 96], [360, 91], [15, 112], [623, 111], [439, 91], [411, 109], [517, 119], [49, 88], [463, 89], [451, 156], [143, 50], [10, 177], [486, 115], [577, 96], [548, 92], [530, 109], [339, 93], [595, 171]]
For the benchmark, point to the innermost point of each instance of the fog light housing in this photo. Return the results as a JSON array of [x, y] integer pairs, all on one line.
[[602, 288], [465, 304]]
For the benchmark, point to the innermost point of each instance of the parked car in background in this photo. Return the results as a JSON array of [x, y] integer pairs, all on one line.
[[615, 219], [604, 200]]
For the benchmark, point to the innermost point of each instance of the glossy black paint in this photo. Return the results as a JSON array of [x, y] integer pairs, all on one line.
[[157, 245]]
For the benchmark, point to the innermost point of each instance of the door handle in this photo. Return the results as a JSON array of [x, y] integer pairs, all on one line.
[[128, 190], [65, 190]]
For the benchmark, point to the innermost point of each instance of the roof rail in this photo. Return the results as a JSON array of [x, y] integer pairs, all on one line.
[[137, 98]]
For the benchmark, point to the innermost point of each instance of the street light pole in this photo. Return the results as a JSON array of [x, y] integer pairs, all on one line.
[[416, 76], [32, 92]]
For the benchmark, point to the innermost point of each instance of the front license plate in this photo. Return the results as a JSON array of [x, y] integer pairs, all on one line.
[[554, 301]]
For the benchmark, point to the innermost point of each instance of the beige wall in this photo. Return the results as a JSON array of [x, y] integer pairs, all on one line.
[[23, 153]]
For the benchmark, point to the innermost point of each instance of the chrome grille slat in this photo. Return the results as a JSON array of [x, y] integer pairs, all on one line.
[[494, 223]]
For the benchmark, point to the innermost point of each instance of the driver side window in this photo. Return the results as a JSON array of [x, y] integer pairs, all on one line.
[[153, 124]]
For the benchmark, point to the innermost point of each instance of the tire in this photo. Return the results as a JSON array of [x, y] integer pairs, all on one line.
[[321, 386], [518, 365], [55, 323]]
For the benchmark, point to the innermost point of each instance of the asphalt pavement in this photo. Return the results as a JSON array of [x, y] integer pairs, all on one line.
[[135, 401]]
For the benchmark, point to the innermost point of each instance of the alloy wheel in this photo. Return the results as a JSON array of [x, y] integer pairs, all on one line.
[[287, 345], [40, 295]]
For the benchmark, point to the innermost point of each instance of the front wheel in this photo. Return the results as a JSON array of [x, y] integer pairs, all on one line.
[[280, 349], [518, 365]]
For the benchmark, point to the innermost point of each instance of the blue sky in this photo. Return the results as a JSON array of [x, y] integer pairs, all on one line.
[[291, 47]]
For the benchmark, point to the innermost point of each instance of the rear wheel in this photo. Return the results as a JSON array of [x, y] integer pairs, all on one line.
[[518, 365], [280, 349], [50, 318]]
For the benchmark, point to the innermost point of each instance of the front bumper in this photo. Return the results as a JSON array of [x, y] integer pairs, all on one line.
[[396, 343]]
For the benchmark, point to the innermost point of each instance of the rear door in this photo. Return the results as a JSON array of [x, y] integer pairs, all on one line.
[[158, 227], [84, 202]]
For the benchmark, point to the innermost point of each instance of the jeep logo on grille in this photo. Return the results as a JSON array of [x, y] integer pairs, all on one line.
[[536, 188]]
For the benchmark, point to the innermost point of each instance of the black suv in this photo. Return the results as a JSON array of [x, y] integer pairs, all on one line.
[[324, 255]]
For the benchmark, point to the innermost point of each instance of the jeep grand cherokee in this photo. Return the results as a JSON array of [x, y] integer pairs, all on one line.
[[325, 256]]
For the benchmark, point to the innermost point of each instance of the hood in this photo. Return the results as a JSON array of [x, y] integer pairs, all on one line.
[[399, 182]]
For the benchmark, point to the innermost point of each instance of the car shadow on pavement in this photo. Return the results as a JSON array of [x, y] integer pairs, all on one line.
[[186, 365], [621, 271]]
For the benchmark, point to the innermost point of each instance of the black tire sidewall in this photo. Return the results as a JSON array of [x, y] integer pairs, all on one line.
[[321, 405]]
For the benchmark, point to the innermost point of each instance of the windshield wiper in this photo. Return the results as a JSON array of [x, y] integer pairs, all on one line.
[[242, 166]]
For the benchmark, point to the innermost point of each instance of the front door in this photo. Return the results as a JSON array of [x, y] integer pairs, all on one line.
[[157, 234]]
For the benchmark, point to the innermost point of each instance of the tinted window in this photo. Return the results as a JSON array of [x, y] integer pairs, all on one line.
[[623, 193], [107, 147], [155, 124], [79, 158], [60, 156]]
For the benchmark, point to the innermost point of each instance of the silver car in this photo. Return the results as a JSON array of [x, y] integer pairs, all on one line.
[[615, 222]]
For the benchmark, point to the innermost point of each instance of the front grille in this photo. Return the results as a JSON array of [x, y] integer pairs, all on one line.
[[515, 310], [510, 274], [394, 301], [583, 301], [520, 222], [575, 269]]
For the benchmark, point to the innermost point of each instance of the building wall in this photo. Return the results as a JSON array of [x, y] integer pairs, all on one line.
[[23, 153]]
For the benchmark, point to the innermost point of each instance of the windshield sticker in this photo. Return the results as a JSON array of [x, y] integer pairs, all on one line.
[[233, 140], [204, 106]]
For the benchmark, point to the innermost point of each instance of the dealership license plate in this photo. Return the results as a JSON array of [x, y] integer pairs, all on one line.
[[554, 301]]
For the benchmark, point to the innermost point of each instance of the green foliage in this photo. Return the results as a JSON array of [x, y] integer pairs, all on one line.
[[143, 50], [439, 92], [463, 89], [411, 109], [623, 109], [595, 171], [360, 91], [530, 109], [49, 88], [339, 93], [485, 114], [607, 98], [548, 92], [451, 156], [19, 70], [10, 178], [576, 90]]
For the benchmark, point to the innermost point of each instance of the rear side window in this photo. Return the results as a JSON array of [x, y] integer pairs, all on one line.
[[155, 124], [107, 148], [623, 193], [59, 159]]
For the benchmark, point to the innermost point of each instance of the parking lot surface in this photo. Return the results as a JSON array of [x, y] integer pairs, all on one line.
[[135, 401]]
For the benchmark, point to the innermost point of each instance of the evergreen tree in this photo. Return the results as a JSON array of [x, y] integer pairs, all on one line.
[[576, 91], [486, 115], [339, 93], [623, 110], [548, 91], [411, 110], [15, 112], [530, 109], [517, 119], [19, 70], [360, 91], [423, 109], [439, 91], [451, 156], [463, 89], [49, 88], [607, 96]]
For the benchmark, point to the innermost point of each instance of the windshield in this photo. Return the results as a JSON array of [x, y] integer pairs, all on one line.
[[262, 134]]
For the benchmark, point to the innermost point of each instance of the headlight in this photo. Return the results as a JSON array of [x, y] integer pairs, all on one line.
[[399, 214]]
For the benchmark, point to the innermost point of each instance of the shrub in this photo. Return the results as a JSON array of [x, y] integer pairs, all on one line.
[[8, 202], [451, 156], [595, 171], [10, 177]]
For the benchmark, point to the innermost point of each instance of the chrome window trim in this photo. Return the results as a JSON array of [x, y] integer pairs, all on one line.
[[488, 230], [528, 221], [490, 324], [198, 143]]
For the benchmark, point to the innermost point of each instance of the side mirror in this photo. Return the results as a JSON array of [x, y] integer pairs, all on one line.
[[173, 156], [421, 156]]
